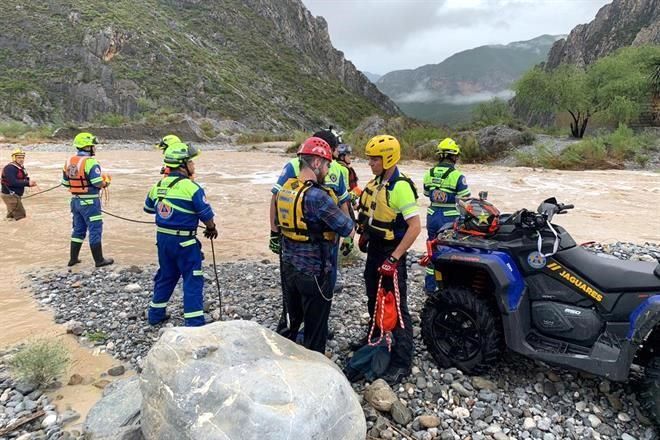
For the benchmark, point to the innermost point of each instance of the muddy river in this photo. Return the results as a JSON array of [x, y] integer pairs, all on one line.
[[610, 206]]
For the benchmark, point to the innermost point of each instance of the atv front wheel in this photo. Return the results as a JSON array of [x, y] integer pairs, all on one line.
[[461, 329], [649, 395]]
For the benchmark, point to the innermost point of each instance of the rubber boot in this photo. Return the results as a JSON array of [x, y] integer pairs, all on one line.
[[97, 253], [73, 253]]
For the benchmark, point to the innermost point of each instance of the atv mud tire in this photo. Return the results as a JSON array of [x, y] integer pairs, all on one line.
[[462, 330], [649, 394]]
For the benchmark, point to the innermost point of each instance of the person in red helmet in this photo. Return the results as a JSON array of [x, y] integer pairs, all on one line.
[[309, 220]]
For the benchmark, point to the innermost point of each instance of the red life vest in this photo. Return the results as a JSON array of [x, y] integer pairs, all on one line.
[[75, 172], [21, 174]]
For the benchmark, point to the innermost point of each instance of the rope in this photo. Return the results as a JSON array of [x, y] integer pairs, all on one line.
[[380, 300], [10, 214], [215, 265], [217, 282], [127, 219]]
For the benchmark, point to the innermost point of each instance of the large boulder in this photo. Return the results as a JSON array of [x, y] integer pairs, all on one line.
[[117, 415], [496, 139], [238, 380]]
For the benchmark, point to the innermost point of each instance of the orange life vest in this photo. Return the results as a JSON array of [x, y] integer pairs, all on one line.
[[75, 171]]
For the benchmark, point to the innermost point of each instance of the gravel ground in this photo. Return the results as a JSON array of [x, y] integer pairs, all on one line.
[[517, 399]]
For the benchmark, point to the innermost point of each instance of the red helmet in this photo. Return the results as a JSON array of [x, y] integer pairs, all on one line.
[[316, 147]]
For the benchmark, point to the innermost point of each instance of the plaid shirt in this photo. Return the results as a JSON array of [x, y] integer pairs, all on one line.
[[320, 212]]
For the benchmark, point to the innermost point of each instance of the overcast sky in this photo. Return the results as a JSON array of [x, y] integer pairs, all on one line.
[[379, 36]]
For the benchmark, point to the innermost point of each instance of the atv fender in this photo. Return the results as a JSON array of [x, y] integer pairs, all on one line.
[[644, 319], [507, 279]]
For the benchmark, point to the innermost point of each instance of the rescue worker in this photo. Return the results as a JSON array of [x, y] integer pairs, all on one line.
[[443, 183], [334, 181], [165, 142], [309, 220], [388, 221], [179, 205], [14, 181], [84, 179], [344, 152]]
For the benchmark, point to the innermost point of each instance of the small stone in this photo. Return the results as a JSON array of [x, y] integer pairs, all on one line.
[[549, 389], [460, 413], [483, 384], [101, 383], [553, 377], [529, 424], [69, 416], [544, 424], [492, 429], [427, 421], [500, 436], [626, 436], [75, 379], [460, 389], [380, 395], [401, 413], [117, 370], [132, 288], [594, 421], [49, 421], [581, 406], [623, 417], [604, 387]]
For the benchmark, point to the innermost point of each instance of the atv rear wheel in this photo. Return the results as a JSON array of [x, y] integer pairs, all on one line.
[[649, 395], [461, 329]]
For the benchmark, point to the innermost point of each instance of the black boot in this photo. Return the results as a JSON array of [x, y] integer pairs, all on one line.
[[97, 253], [73, 253]]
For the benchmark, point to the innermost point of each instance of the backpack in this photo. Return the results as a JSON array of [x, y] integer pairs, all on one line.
[[369, 362]]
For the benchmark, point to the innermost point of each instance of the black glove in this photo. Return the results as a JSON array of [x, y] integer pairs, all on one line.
[[211, 233], [363, 242], [346, 246], [275, 243]]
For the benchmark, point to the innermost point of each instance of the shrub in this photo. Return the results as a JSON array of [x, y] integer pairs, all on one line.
[[599, 152], [112, 119], [261, 136], [207, 129], [98, 336], [40, 362]]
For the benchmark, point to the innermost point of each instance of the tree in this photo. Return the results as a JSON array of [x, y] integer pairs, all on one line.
[[561, 89], [614, 87]]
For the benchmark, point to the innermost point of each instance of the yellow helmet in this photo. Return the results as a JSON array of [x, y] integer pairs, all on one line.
[[168, 140], [83, 140], [385, 146], [448, 146], [17, 153]]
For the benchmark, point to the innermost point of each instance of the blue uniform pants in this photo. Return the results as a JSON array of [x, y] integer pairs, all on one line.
[[86, 215], [178, 257], [435, 220]]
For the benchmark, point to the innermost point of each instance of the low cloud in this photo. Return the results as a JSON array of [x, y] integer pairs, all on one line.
[[423, 95]]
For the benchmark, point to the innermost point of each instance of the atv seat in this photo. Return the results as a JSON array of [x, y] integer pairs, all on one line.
[[609, 274]]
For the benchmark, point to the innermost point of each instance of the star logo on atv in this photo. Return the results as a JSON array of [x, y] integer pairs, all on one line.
[[483, 218]]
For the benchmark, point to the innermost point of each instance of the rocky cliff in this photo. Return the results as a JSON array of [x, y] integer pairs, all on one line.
[[264, 63], [618, 24]]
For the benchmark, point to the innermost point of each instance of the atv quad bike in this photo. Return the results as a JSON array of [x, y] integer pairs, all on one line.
[[528, 287]]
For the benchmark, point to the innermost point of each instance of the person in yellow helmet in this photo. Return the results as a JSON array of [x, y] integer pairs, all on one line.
[[83, 178], [166, 142], [388, 224], [14, 181], [443, 184]]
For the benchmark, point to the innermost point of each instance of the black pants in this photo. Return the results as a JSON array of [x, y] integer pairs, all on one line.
[[402, 348], [308, 300]]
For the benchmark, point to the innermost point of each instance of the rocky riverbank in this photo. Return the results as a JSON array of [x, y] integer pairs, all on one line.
[[517, 399]]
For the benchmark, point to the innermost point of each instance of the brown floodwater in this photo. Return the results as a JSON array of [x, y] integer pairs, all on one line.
[[610, 206]]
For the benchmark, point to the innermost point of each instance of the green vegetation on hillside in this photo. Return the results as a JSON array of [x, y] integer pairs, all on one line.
[[612, 89], [156, 57]]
